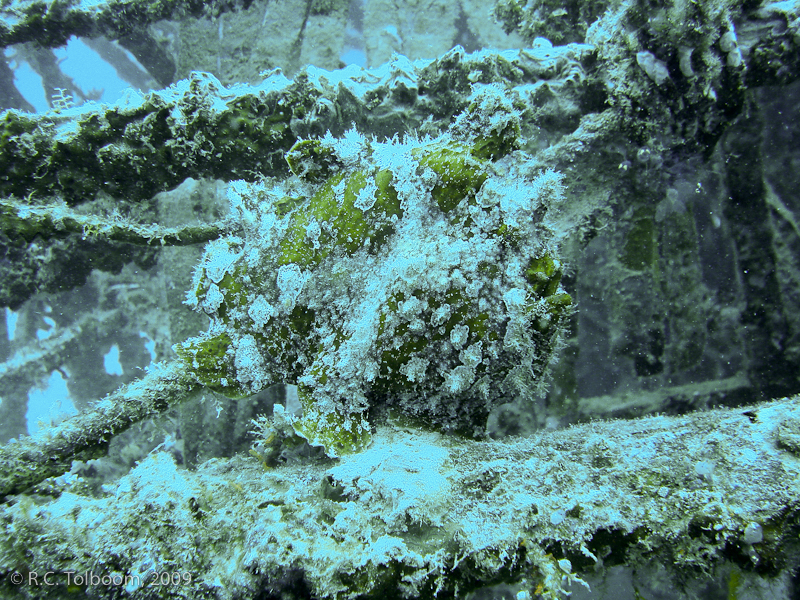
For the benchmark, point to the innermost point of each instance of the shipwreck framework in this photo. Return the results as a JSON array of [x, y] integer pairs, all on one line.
[[685, 273]]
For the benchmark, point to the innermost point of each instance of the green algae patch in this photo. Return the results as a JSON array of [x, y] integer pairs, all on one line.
[[460, 174], [209, 361], [544, 275], [337, 431], [641, 250], [310, 160], [346, 213]]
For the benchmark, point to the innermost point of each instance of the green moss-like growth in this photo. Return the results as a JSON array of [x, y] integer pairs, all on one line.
[[210, 363], [451, 310], [310, 160], [197, 129], [640, 251], [559, 22], [460, 173], [332, 218], [336, 431], [326, 7], [19, 230], [498, 144], [544, 275], [232, 287]]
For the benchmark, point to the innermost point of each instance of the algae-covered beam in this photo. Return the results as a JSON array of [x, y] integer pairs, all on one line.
[[52, 23], [147, 144], [198, 128], [423, 515], [30, 460], [61, 262], [21, 224], [681, 68]]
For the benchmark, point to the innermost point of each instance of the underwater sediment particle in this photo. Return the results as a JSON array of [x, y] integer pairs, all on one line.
[[414, 279]]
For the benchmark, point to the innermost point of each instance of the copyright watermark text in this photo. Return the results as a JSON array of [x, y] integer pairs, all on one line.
[[90, 578]]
